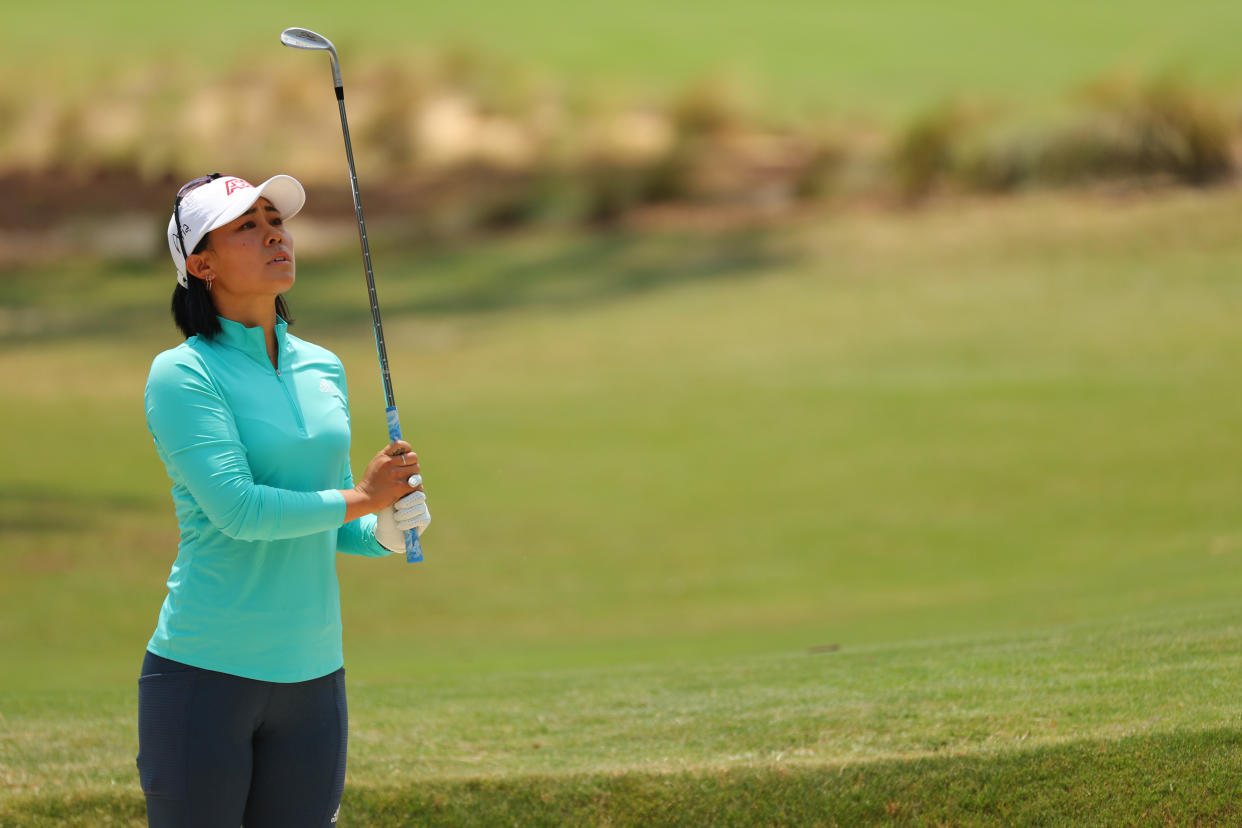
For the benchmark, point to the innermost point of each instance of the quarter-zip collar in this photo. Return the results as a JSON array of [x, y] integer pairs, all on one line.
[[251, 341]]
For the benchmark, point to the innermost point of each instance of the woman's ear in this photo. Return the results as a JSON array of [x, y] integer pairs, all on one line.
[[200, 266]]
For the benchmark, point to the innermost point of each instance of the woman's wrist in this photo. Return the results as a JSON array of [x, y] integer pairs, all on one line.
[[358, 503]]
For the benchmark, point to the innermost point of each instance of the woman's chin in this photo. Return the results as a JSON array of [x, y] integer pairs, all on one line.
[[283, 281]]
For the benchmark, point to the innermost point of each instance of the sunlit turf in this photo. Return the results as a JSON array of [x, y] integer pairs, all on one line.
[[987, 451], [1128, 721]]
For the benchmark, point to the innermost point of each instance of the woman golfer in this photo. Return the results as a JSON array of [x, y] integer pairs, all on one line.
[[241, 703]]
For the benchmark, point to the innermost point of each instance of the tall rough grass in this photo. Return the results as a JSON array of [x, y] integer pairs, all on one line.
[[1117, 131], [1123, 131], [924, 153]]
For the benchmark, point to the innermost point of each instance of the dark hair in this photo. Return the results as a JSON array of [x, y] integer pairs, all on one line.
[[195, 313]]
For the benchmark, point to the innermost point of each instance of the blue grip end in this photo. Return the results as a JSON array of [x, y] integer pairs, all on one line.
[[413, 549], [394, 423]]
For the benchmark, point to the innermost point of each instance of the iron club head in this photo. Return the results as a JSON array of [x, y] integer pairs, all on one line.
[[299, 38]]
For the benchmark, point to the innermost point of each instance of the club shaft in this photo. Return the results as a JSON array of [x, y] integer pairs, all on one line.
[[380, 347], [413, 548]]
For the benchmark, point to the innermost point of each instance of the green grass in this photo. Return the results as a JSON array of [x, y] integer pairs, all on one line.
[[1131, 722], [882, 59], [987, 450]]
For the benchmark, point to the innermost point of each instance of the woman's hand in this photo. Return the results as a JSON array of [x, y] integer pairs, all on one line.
[[410, 512], [392, 473]]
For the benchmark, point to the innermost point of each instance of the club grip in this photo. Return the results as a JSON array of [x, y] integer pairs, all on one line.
[[413, 549]]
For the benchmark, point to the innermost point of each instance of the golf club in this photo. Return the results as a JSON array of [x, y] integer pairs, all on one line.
[[299, 38]]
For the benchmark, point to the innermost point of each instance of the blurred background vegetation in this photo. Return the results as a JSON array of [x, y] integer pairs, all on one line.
[[467, 117]]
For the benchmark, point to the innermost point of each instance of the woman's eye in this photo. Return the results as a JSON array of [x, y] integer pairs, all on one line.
[[246, 225], [278, 221]]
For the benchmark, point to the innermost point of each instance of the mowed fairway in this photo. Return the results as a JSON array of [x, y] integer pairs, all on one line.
[[925, 516], [843, 58]]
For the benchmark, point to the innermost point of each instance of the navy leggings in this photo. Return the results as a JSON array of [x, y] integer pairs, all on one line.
[[218, 751]]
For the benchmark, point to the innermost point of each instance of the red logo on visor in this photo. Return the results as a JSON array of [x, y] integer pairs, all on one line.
[[231, 185]]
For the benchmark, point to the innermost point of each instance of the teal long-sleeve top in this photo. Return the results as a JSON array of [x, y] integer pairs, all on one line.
[[257, 455]]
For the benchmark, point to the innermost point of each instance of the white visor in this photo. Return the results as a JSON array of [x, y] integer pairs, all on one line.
[[221, 200]]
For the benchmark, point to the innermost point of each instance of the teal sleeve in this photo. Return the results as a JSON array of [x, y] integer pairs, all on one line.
[[196, 434], [358, 536]]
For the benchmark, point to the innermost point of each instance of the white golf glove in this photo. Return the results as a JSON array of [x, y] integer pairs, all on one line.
[[409, 512]]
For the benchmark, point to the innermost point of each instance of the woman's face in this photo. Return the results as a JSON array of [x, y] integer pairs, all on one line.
[[250, 257]]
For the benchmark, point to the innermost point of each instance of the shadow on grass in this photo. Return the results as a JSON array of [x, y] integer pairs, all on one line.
[[1175, 779], [81, 301], [38, 510], [130, 301], [574, 273], [603, 268]]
